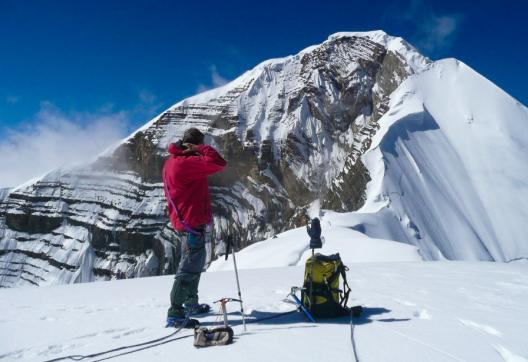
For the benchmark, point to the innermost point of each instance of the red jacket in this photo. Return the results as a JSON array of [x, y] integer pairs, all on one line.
[[185, 180]]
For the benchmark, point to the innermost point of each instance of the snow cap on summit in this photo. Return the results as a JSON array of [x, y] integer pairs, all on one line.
[[416, 61], [379, 36]]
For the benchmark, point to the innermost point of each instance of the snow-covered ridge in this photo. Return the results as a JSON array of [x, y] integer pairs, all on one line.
[[294, 131], [414, 59], [291, 248], [447, 175], [448, 167]]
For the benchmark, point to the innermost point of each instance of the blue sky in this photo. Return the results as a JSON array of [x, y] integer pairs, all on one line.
[[88, 56], [83, 61]]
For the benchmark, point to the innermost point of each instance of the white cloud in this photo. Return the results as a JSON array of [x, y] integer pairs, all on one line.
[[434, 32], [216, 80], [54, 139], [438, 31]]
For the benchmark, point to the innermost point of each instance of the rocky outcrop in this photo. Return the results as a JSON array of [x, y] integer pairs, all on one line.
[[291, 129]]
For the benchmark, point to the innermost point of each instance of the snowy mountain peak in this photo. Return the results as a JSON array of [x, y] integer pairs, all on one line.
[[379, 36], [416, 61], [329, 126], [413, 60]]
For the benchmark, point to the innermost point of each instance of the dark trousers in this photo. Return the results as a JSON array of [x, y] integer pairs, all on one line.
[[192, 261]]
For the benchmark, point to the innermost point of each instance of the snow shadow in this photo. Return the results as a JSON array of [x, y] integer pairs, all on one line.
[[261, 318], [271, 318], [403, 128], [370, 312]]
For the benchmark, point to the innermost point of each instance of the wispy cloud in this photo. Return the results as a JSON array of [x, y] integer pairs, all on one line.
[[216, 80], [54, 138], [433, 31], [148, 106]]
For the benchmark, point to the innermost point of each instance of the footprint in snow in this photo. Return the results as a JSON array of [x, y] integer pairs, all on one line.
[[13, 355], [57, 348], [90, 335], [133, 331], [480, 327], [422, 314], [108, 331]]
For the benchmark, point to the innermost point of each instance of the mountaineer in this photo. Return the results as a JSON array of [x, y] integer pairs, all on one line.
[[187, 192]]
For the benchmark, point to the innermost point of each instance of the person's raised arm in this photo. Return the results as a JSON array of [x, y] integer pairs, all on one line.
[[207, 162]]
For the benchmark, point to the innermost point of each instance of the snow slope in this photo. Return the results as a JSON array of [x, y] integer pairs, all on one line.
[[449, 167], [449, 175], [414, 311], [292, 247]]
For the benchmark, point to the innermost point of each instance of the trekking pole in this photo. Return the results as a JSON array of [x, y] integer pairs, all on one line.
[[314, 231], [237, 280]]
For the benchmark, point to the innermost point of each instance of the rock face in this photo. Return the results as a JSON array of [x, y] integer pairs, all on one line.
[[291, 129]]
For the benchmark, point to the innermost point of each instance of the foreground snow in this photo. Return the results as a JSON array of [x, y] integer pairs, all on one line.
[[415, 311]]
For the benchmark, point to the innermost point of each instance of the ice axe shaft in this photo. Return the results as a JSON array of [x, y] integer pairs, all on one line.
[[224, 313], [229, 247], [300, 304]]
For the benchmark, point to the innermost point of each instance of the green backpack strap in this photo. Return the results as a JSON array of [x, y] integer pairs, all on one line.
[[341, 271], [346, 287]]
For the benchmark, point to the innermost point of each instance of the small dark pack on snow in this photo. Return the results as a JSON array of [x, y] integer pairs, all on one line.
[[219, 336]]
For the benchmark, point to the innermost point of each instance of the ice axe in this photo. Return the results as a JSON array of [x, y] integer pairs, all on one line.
[[223, 308], [230, 248]]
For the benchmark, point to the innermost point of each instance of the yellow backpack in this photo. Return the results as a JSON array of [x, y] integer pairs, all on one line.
[[321, 294]]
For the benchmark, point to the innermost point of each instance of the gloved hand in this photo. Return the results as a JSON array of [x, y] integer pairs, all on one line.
[[315, 234]]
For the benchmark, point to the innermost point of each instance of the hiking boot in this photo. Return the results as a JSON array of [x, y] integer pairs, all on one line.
[[197, 308], [182, 322]]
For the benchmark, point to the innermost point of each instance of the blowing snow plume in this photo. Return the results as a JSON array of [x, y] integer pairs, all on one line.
[[55, 139]]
